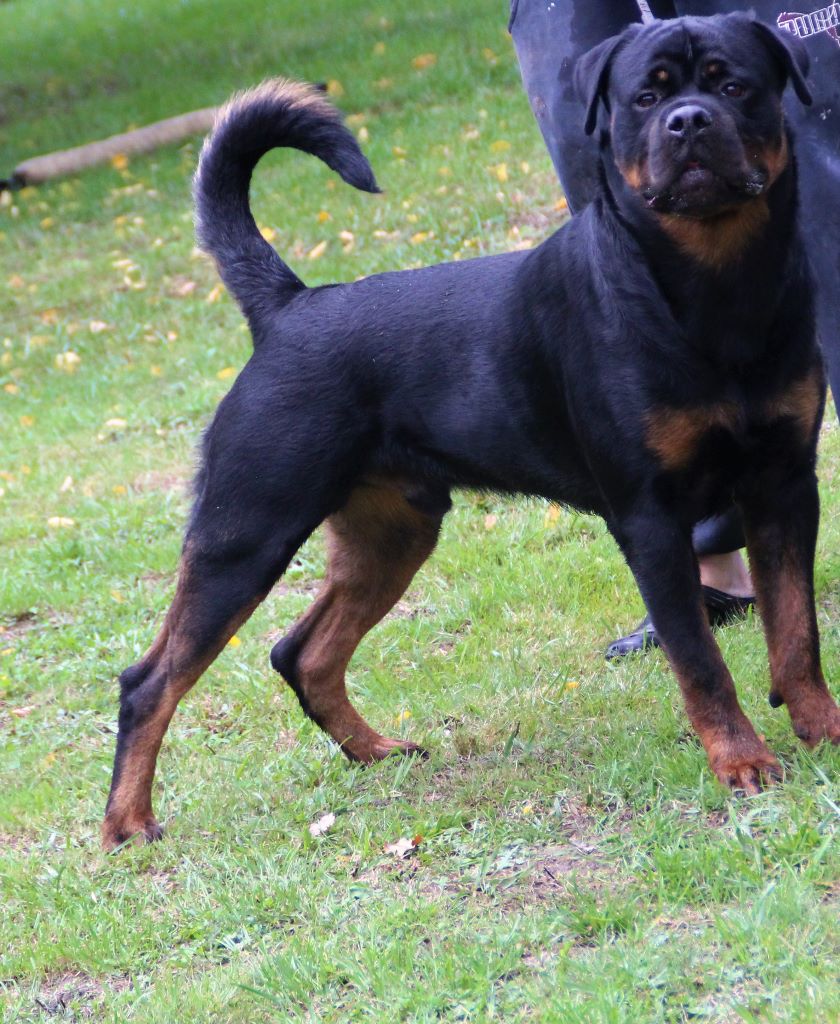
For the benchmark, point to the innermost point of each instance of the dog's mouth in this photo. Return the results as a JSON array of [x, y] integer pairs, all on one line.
[[695, 189]]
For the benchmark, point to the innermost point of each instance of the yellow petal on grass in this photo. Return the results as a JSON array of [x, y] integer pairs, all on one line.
[[423, 61], [47, 223], [561, 204], [269, 234], [323, 216], [119, 161], [552, 514], [378, 48], [499, 146], [16, 281], [7, 651], [155, 370], [11, 389], [117, 596], [363, 134], [60, 522], [398, 151], [234, 641], [421, 236], [215, 293], [500, 171], [227, 373], [68, 361], [119, 489], [317, 251], [572, 684], [528, 809], [403, 716], [49, 316], [335, 88]]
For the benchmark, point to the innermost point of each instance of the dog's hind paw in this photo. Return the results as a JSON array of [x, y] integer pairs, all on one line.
[[380, 748], [116, 834]]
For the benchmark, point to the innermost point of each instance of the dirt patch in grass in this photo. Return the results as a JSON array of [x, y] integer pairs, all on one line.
[[162, 481], [76, 995], [24, 622]]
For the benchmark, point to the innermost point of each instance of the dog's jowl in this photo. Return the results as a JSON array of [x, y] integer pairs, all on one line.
[[653, 361]]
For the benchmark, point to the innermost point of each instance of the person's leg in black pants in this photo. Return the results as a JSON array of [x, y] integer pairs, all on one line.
[[549, 37]]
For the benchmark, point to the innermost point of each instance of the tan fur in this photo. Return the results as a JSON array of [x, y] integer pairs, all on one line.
[[786, 601], [280, 90], [176, 657], [376, 544], [675, 434], [717, 241], [633, 176], [802, 402]]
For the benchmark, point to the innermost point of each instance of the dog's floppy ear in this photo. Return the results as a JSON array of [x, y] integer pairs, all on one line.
[[592, 74], [791, 54]]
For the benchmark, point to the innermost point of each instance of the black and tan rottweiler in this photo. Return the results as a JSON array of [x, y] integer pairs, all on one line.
[[652, 361]]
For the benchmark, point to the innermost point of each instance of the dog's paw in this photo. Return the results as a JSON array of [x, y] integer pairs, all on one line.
[[745, 764], [380, 748], [816, 719], [116, 834]]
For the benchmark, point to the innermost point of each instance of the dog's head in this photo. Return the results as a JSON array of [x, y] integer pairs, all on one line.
[[694, 105]]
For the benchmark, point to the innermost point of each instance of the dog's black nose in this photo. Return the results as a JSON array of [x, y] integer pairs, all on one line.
[[688, 120]]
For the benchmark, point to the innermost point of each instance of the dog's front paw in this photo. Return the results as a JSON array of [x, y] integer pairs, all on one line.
[[116, 833], [744, 763], [816, 718]]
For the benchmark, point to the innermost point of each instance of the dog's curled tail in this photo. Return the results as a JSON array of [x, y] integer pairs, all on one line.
[[278, 112]]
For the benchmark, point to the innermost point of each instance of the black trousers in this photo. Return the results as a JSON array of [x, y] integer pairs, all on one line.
[[550, 36]]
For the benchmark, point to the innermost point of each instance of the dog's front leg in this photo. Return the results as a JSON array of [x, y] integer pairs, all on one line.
[[659, 552], [781, 523]]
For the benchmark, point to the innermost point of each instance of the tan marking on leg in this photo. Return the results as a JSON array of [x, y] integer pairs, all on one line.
[[376, 544], [736, 755], [174, 662], [802, 401], [793, 648]]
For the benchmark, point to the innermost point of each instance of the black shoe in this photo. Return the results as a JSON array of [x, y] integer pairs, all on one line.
[[720, 606]]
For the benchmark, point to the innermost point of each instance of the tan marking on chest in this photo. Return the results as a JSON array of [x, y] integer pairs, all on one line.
[[718, 241], [674, 435]]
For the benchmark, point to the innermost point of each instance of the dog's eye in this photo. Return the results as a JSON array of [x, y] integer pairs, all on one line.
[[734, 90], [646, 99]]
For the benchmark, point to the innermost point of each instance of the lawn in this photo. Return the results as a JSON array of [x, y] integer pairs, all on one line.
[[576, 861]]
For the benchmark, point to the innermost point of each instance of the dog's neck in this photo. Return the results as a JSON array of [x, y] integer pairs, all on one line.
[[717, 271]]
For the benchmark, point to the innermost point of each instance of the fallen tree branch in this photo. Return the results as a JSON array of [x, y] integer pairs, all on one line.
[[142, 140]]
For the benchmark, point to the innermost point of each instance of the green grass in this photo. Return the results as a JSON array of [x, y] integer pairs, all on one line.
[[578, 862]]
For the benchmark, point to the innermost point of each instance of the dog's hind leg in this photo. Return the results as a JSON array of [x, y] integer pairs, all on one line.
[[377, 542], [219, 585]]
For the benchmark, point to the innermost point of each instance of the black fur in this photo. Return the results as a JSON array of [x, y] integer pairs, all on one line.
[[653, 361]]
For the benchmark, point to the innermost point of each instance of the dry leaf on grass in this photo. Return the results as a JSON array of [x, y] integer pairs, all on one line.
[[403, 848]]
